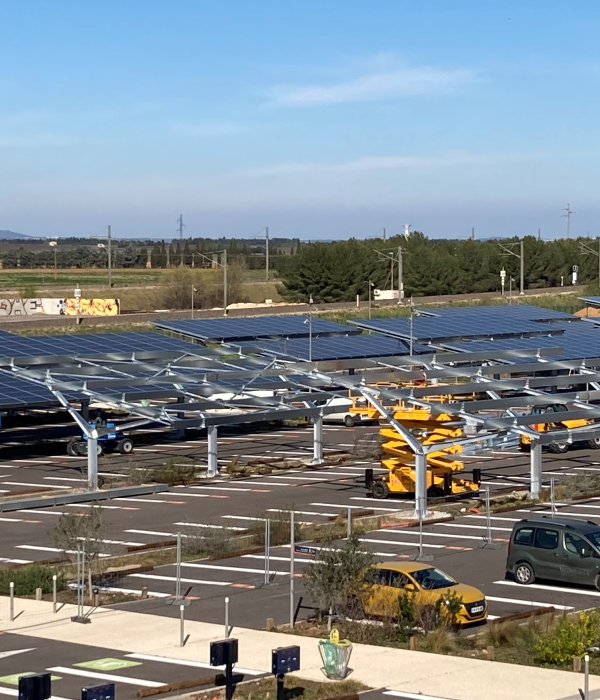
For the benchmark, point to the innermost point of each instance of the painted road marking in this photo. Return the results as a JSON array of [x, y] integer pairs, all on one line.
[[212, 527], [234, 568], [495, 517], [45, 486], [105, 677], [530, 603], [133, 591], [476, 527], [51, 549], [64, 478], [557, 589], [403, 544], [193, 664], [108, 664], [154, 533], [411, 696], [15, 561], [156, 577], [6, 654], [436, 534], [345, 506], [301, 512], [15, 693]]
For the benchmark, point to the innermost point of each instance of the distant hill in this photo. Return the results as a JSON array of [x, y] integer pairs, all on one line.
[[11, 235]]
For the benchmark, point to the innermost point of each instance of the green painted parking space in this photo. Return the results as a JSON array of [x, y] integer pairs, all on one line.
[[13, 679], [108, 664]]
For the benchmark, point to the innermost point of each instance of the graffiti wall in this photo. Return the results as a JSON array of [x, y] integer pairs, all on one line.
[[59, 307]]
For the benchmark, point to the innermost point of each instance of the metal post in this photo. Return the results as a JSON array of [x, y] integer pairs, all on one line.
[[193, 290], [109, 241], [586, 680], [213, 464], [535, 468], [510, 281], [411, 327], [54, 605], [266, 253], [369, 298], [292, 544], [226, 618], [267, 548], [310, 303], [349, 523], [488, 520], [12, 601], [552, 499], [420, 484], [420, 534], [522, 282], [400, 273], [92, 463], [318, 440], [181, 625], [225, 282], [178, 568]]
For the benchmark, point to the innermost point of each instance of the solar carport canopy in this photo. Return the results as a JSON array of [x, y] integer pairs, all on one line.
[[473, 322], [241, 329]]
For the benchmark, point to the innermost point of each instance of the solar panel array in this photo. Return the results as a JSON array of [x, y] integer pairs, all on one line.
[[592, 301], [19, 393], [579, 342], [339, 348], [240, 329], [474, 322], [92, 344]]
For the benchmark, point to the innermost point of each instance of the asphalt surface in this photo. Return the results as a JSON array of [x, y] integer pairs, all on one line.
[[74, 666], [316, 495]]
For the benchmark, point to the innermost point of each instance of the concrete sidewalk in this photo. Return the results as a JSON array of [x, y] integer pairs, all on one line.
[[397, 669]]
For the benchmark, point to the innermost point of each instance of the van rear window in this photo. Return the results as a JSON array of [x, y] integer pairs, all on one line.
[[524, 536]]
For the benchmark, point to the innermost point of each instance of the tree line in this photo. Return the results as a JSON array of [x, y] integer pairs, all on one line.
[[341, 270]]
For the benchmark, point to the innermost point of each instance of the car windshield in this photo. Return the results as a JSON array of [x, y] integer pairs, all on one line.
[[430, 579], [594, 538]]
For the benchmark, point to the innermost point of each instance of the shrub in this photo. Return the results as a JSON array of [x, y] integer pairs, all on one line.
[[28, 578], [568, 638], [438, 641], [176, 471]]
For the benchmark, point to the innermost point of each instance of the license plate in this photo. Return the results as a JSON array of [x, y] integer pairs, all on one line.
[[476, 609]]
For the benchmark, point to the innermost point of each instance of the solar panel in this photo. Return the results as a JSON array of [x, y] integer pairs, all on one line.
[[240, 329], [338, 348], [581, 341], [473, 322], [592, 301]]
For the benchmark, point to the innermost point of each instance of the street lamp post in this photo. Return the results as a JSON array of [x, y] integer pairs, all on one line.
[[193, 290], [310, 303], [53, 245], [502, 279], [412, 315], [370, 287]]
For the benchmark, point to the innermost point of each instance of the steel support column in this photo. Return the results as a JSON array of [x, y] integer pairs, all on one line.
[[92, 463], [536, 469], [420, 485], [213, 464], [318, 440]]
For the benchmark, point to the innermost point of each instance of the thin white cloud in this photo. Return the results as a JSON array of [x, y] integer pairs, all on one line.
[[447, 159], [207, 129], [381, 85]]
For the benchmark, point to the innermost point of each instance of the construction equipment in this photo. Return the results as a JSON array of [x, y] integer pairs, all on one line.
[[430, 429], [556, 447], [114, 441]]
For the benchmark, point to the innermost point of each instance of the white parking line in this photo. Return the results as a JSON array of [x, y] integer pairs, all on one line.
[[529, 603], [193, 664], [476, 527], [239, 569], [15, 693], [557, 589], [156, 577], [426, 533], [50, 549], [402, 544], [63, 478], [345, 506], [299, 512], [212, 527], [411, 696], [28, 483], [104, 676]]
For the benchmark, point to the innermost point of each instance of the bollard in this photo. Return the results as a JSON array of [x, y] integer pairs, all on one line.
[[586, 680], [412, 643], [38, 593], [577, 664], [181, 625], [490, 653], [54, 605], [226, 618], [144, 593], [12, 601], [349, 523], [269, 624]]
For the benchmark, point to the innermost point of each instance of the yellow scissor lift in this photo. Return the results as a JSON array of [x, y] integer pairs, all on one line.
[[430, 429]]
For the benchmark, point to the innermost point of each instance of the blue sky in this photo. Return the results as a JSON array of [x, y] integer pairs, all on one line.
[[319, 119]]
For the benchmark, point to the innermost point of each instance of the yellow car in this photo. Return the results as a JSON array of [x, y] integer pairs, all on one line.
[[387, 581]]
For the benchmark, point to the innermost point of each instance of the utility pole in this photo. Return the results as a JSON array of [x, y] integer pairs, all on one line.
[[473, 233], [384, 233], [400, 276], [567, 216], [109, 240], [224, 263], [266, 253], [585, 249], [539, 234], [180, 229], [506, 250]]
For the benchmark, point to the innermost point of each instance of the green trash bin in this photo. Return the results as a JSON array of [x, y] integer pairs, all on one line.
[[335, 654]]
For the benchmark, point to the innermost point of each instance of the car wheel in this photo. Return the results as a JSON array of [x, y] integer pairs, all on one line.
[[524, 573], [349, 421], [558, 448], [71, 447], [594, 444], [524, 447], [597, 582], [125, 446], [380, 489]]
